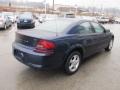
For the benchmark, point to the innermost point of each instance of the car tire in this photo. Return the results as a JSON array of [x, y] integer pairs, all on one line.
[[18, 27], [109, 47], [33, 26], [72, 63]]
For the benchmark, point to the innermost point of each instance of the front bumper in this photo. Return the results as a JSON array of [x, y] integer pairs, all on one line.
[[35, 60]]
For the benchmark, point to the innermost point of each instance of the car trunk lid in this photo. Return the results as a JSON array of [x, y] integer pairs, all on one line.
[[31, 37]]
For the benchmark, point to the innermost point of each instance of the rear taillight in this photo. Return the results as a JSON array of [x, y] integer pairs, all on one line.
[[45, 46]]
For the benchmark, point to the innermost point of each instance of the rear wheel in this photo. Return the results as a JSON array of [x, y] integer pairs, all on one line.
[[18, 27], [73, 62], [33, 26], [109, 46]]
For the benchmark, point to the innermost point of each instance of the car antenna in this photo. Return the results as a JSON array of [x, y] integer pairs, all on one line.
[[56, 26]]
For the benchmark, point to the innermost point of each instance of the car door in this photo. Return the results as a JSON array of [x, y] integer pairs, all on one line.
[[101, 37], [85, 36], [89, 41]]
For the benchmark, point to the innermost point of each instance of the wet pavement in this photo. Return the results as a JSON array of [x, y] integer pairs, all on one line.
[[99, 72]]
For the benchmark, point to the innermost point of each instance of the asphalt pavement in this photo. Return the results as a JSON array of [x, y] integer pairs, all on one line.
[[99, 72]]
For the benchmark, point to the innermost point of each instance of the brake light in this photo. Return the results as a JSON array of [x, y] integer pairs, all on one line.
[[45, 46]]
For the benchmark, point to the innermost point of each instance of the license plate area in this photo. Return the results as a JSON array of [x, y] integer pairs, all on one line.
[[25, 21], [18, 54]]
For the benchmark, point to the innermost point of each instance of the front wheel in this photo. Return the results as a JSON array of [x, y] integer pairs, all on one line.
[[73, 62], [109, 47]]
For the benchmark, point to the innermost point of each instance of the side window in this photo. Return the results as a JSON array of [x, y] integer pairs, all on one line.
[[75, 30], [86, 28], [83, 28], [98, 28]]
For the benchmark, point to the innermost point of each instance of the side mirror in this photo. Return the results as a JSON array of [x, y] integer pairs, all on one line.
[[106, 31]]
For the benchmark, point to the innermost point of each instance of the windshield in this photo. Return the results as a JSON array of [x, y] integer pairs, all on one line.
[[54, 25]]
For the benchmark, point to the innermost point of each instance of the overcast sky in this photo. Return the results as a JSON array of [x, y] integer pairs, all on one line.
[[85, 3]]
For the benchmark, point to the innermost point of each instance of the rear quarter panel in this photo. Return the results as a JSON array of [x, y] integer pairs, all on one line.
[[65, 44]]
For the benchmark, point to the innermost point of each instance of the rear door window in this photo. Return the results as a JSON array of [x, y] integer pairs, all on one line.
[[83, 28]]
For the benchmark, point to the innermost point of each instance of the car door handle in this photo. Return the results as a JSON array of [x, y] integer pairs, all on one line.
[[88, 41]]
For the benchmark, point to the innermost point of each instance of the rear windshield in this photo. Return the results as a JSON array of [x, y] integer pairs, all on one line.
[[70, 15], [54, 25], [25, 16]]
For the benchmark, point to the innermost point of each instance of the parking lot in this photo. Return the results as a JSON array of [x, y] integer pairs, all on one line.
[[99, 72]]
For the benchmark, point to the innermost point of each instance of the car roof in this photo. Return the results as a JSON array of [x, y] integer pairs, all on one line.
[[59, 25], [72, 22]]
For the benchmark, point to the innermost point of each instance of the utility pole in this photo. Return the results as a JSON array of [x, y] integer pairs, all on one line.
[[53, 5], [76, 7], [45, 7], [10, 4]]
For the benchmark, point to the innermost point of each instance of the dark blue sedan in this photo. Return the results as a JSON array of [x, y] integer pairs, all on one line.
[[25, 20], [61, 43]]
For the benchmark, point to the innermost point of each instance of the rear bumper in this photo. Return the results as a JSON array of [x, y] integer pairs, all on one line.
[[25, 24], [36, 60], [1, 25]]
